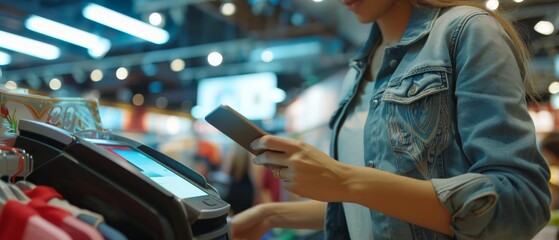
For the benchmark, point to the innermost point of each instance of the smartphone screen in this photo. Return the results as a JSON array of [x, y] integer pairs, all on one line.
[[235, 126]]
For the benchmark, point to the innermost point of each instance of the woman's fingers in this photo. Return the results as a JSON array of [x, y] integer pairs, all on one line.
[[282, 173], [271, 159], [274, 143]]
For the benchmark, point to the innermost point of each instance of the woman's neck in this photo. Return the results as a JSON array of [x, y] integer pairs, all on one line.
[[394, 22]]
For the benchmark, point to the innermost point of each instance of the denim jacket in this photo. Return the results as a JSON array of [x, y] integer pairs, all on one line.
[[450, 107]]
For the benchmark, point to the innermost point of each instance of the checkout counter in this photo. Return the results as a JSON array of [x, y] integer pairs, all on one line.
[[138, 190]]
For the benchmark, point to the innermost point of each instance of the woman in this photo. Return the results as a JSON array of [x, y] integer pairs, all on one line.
[[432, 137]]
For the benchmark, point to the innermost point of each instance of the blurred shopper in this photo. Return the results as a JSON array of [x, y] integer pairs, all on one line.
[[268, 187], [432, 139], [207, 158], [550, 150], [242, 188]]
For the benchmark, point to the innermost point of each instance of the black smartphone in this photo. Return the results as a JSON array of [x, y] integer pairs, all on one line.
[[235, 126]]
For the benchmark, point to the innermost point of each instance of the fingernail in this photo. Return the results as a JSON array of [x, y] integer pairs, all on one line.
[[252, 144]]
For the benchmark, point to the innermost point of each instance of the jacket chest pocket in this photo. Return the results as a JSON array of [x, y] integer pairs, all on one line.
[[418, 119]]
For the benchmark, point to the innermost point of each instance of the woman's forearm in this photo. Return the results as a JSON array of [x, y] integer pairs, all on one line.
[[411, 200], [300, 215]]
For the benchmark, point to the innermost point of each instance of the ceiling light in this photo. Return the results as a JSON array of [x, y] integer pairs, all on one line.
[[28, 46], [554, 87], [267, 56], [283, 51], [138, 99], [227, 9], [125, 23], [156, 19], [11, 85], [55, 84], [96, 45], [492, 4], [544, 27], [5, 59], [518, 1], [96, 75], [215, 59], [177, 65], [121, 73], [100, 50]]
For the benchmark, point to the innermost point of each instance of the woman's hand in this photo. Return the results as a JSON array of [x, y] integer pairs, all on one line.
[[256, 221], [250, 224], [302, 168]]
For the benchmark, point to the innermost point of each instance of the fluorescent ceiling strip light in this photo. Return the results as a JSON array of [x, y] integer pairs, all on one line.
[[96, 44], [125, 23], [5, 58], [28, 46], [293, 50]]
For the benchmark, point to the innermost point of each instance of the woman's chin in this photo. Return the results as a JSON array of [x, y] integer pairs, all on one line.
[[364, 19]]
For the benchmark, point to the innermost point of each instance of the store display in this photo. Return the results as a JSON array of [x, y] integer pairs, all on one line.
[[71, 114]]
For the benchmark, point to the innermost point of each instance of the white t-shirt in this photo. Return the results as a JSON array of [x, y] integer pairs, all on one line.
[[351, 151]]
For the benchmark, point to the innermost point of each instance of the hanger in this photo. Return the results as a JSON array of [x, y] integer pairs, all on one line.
[[18, 161], [29, 166], [6, 193], [25, 185], [23, 161], [20, 195], [3, 160]]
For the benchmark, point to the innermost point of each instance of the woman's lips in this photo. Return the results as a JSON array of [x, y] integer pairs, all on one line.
[[352, 4]]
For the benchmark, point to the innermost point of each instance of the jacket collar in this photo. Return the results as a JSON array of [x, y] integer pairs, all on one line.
[[420, 24]]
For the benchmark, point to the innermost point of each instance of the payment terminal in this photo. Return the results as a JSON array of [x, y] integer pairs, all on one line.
[[137, 189]]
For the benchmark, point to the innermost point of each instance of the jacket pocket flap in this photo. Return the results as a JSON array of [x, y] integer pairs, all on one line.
[[418, 84]]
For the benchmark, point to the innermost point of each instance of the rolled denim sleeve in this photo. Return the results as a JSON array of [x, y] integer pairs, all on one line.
[[472, 199], [504, 195]]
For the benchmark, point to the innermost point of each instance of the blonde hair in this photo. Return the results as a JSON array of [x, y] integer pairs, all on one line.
[[522, 51]]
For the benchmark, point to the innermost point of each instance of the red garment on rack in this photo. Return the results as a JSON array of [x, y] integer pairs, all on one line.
[[76, 228], [19, 221], [48, 194], [43, 193]]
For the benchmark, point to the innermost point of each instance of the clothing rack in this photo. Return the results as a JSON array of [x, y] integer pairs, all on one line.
[[15, 162], [29, 211]]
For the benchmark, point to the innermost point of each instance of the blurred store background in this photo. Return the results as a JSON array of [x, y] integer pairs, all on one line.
[[185, 55], [158, 66]]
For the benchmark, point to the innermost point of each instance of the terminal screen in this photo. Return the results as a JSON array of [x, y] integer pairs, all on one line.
[[157, 172]]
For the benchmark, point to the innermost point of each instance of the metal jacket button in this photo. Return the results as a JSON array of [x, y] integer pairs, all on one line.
[[413, 90], [393, 63]]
